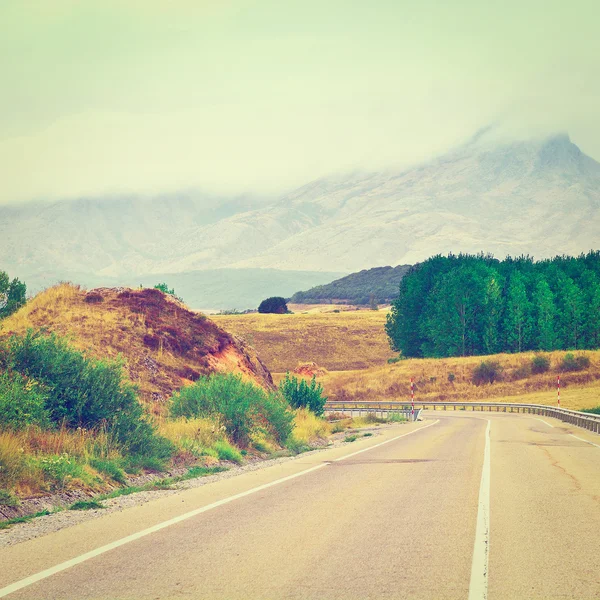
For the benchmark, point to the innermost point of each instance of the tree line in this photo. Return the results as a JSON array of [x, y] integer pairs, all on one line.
[[460, 305]]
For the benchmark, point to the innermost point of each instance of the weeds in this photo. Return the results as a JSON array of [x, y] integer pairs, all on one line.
[[227, 452], [86, 505]]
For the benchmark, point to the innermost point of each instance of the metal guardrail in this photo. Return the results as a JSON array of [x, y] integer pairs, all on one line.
[[588, 421]]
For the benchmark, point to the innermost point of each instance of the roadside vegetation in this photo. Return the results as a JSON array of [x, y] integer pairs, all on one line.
[[69, 420]]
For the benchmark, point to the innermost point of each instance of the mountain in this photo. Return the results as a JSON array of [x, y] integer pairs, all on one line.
[[379, 283], [540, 197], [537, 196]]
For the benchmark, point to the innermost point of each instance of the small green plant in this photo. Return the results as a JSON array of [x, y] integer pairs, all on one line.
[[574, 363], [368, 434], [296, 446], [350, 438], [86, 505], [451, 377], [540, 364], [395, 417], [59, 470], [10, 522], [393, 360], [110, 468], [8, 499], [227, 452], [164, 288], [488, 371], [300, 394]]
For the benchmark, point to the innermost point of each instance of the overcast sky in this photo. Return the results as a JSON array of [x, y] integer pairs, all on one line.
[[232, 95]]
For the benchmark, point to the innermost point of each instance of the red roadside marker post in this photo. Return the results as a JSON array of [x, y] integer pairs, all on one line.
[[412, 398], [558, 389]]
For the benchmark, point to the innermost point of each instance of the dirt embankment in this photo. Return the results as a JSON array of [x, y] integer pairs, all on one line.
[[165, 346]]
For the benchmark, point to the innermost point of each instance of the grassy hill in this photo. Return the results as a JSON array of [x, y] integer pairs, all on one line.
[[380, 283], [165, 345]]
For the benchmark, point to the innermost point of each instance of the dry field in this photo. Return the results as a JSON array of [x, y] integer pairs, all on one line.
[[353, 347], [336, 341], [392, 382]]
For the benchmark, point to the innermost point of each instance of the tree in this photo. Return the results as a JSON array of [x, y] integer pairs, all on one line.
[[164, 288], [517, 321], [275, 304], [545, 314], [12, 295]]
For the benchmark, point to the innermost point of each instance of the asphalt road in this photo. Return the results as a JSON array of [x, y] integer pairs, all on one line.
[[383, 517]]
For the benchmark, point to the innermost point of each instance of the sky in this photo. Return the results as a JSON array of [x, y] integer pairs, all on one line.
[[259, 96]]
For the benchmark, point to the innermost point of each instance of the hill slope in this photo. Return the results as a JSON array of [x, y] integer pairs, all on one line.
[[165, 345], [357, 288]]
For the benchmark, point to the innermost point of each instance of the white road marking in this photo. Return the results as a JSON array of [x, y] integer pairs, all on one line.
[[583, 440], [19, 585], [478, 587], [542, 420]]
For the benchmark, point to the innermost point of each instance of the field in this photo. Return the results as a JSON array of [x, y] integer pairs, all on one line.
[[336, 341], [353, 347]]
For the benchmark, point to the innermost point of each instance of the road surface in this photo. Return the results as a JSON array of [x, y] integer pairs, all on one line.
[[461, 505]]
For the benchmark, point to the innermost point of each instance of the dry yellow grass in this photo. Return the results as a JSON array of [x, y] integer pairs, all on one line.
[[309, 428], [392, 382], [336, 341]]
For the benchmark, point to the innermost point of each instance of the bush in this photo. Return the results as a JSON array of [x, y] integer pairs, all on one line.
[[22, 402], [593, 411], [84, 392], [540, 364], [164, 288], [238, 405], [522, 372], [487, 372], [451, 377], [275, 304], [301, 395], [574, 363], [227, 452]]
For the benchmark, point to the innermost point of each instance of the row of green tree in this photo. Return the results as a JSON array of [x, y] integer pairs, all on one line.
[[469, 305]]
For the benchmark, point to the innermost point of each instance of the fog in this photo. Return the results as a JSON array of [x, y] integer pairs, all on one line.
[[109, 98]]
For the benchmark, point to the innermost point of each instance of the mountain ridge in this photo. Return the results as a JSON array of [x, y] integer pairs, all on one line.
[[538, 197]]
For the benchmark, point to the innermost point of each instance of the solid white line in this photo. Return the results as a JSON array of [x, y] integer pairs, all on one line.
[[583, 440], [478, 587], [542, 420], [18, 585]]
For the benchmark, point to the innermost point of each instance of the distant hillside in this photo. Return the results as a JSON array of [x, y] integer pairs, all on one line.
[[381, 283]]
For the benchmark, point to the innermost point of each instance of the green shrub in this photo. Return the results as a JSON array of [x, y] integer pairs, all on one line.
[[574, 363], [238, 405], [82, 391], [593, 411], [86, 505], [227, 452], [275, 304], [163, 287], [296, 446], [299, 394], [540, 364], [487, 372], [59, 470], [110, 468], [22, 402], [451, 377]]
